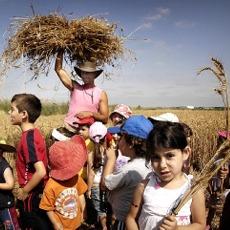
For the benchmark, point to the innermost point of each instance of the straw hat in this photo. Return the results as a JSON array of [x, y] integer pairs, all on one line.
[[87, 67], [6, 148]]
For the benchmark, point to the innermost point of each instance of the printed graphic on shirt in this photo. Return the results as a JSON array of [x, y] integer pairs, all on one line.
[[183, 220], [66, 203]]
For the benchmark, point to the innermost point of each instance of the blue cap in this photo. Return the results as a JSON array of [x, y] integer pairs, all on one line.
[[137, 126], [114, 129]]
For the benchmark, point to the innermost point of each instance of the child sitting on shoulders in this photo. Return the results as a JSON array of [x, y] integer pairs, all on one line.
[[167, 150]]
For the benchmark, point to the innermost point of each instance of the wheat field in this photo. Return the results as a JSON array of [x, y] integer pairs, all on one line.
[[204, 124]]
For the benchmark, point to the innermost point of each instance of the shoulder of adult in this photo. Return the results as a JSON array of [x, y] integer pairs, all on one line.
[[103, 94], [76, 84]]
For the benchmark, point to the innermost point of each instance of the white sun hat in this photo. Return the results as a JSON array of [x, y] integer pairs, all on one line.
[[171, 117], [58, 135]]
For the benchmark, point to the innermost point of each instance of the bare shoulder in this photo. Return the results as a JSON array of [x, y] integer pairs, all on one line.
[[103, 95]]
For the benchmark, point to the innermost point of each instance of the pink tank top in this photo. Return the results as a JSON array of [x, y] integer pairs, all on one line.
[[82, 99]]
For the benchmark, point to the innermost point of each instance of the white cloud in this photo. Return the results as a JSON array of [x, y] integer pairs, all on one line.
[[184, 24], [158, 15], [148, 20]]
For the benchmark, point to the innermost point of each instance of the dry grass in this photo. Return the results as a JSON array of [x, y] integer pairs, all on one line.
[[38, 39], [204, 124]]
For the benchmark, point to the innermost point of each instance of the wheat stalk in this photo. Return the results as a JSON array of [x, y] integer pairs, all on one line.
[[222, 90], [221, 156]]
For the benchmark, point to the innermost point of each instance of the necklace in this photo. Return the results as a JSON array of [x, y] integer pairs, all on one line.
[[89, 94]]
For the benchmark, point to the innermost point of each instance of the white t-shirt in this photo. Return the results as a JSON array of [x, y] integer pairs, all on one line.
[[120, 161], [122, 185], [158, 202]]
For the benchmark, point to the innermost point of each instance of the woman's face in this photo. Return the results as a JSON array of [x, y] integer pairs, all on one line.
[[88, 77]]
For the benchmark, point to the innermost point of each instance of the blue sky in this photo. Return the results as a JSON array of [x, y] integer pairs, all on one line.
[[171, 39]]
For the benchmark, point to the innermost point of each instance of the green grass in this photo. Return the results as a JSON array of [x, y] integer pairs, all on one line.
[[47, 108]]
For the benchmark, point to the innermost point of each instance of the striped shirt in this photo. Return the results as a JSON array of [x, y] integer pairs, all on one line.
[[31, 149]]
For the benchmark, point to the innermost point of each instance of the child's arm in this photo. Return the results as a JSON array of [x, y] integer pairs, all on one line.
[[62, 74], [56, 225], [198, 211], [198, 216], [109, 164], [83, 206], [103, 111], [9, 178], [90, 174], [47, 204], [38, 175], [130, 222]]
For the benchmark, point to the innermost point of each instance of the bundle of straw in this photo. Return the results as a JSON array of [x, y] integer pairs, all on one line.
[[39, 38], [221, 156]]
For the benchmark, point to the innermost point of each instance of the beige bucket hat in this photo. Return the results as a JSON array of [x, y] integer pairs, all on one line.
[[87, 67]]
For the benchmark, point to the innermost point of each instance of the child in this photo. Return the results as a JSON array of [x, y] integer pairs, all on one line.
[[218, 188], [167, 150], [31, 162], [85, 100], [121, 184], [8, 214], [63, 196], [96, 161], [83, 131], [120, 113], [171, 117]]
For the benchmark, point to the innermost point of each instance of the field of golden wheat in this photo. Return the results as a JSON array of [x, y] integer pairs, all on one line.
[[204, 123]]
